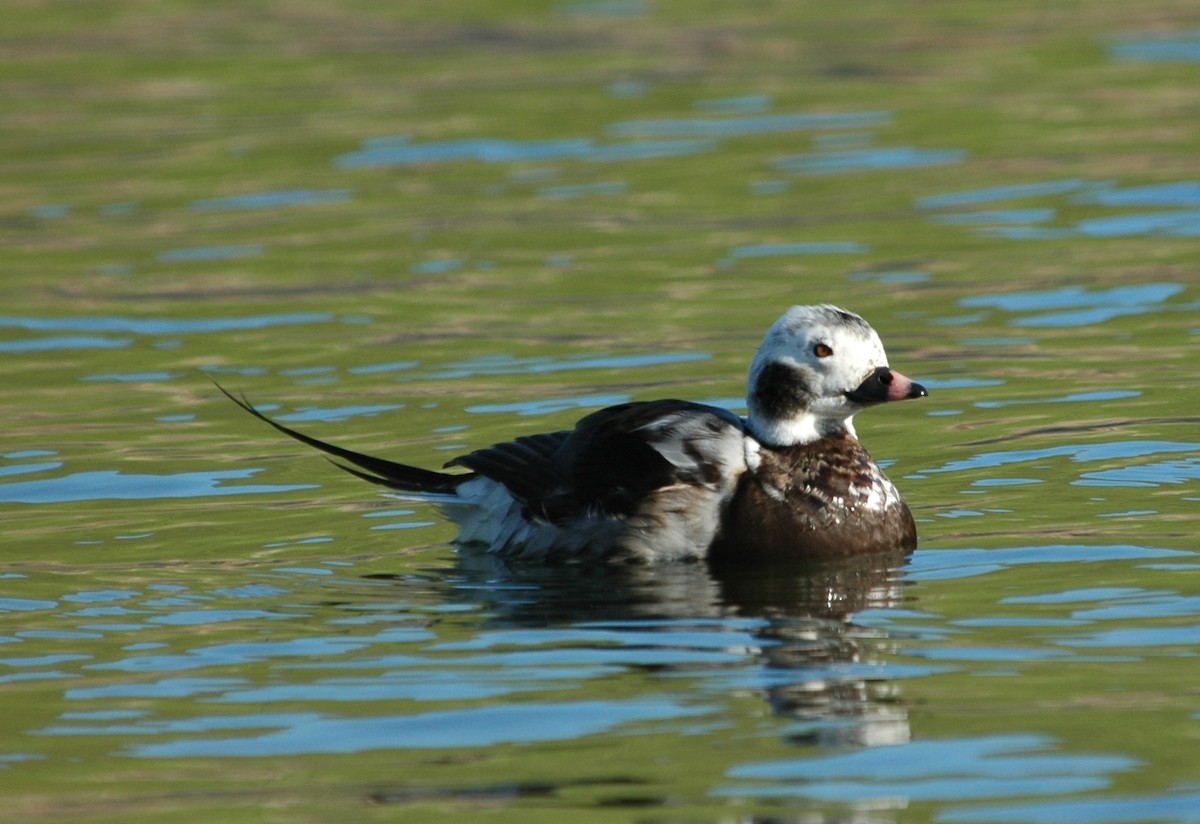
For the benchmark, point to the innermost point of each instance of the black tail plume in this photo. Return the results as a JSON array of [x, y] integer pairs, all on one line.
[[377, 470]]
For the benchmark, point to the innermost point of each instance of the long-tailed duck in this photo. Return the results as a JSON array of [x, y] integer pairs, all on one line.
[[671, 479]]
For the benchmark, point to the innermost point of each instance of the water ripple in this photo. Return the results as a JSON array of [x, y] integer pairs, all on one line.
[[1179, 807], [1078, 453], [202, 253], [1090, 306], [338, 413], [66, 342], [159, 326], [749, 125], [272, 200], [399, 151], [111, 484], [311, 734], [995, 766], [1183, 47], [507, 365], [859, 160], [991, 194], [945, 564]]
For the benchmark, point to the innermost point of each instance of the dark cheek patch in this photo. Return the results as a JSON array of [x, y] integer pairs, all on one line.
[[780, 391]]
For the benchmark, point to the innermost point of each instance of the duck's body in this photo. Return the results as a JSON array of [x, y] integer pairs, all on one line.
[[669, 479]]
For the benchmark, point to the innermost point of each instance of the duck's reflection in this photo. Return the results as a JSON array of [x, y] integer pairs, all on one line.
[[815, 664], [828, 678]]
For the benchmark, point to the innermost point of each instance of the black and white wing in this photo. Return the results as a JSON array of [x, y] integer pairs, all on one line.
[[643, 480], [658, 473]]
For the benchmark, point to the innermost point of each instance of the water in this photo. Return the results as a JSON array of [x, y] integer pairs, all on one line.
[[589, 203]]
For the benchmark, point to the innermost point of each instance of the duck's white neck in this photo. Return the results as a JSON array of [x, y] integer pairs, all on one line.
[[797, 430]]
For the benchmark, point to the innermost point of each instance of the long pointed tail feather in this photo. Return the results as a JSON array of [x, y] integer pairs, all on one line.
[[378, 470]]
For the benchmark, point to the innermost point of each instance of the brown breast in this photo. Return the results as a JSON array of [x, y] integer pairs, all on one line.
[[819, 499]]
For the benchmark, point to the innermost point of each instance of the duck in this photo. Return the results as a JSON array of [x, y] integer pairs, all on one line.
[[676, 480]]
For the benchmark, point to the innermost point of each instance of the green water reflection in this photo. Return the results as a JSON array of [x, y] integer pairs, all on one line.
[[423, 229]]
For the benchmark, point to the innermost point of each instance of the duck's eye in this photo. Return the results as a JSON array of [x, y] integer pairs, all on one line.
[[822, 350]]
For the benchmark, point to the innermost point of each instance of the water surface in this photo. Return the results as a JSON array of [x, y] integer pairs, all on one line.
[[417, 234]]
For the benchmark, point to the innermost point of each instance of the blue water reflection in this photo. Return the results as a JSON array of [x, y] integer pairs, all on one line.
[[991, 194], [647, 139], [111, 484], [64, 342], [649, 149], [944, 564], [437, 266], [740, 104], [338, 413], [1182, 222], [1139, 637], [549, 406], [272, 200], [609, 9], [748, 125], [1083, 306], [1181, 47], [861, 160], [1183, 193], [1179, 806], [1116, 603], [1078, 453], [814, 247], [398, 151], [571, 192], [477, 680], [378, 368], [1100, 395], [996, 766], [50, 211], [509, 365], [25, 469], [159, 326], [891, 276], [205, 253], [310, 734], [997, 216], [130, 377], [1145, 476], [368, 647]]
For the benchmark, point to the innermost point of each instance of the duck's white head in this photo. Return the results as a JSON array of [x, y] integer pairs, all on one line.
[[817, 367]]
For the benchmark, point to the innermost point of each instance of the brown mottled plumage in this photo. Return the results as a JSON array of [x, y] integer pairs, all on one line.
[[827, 496]]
